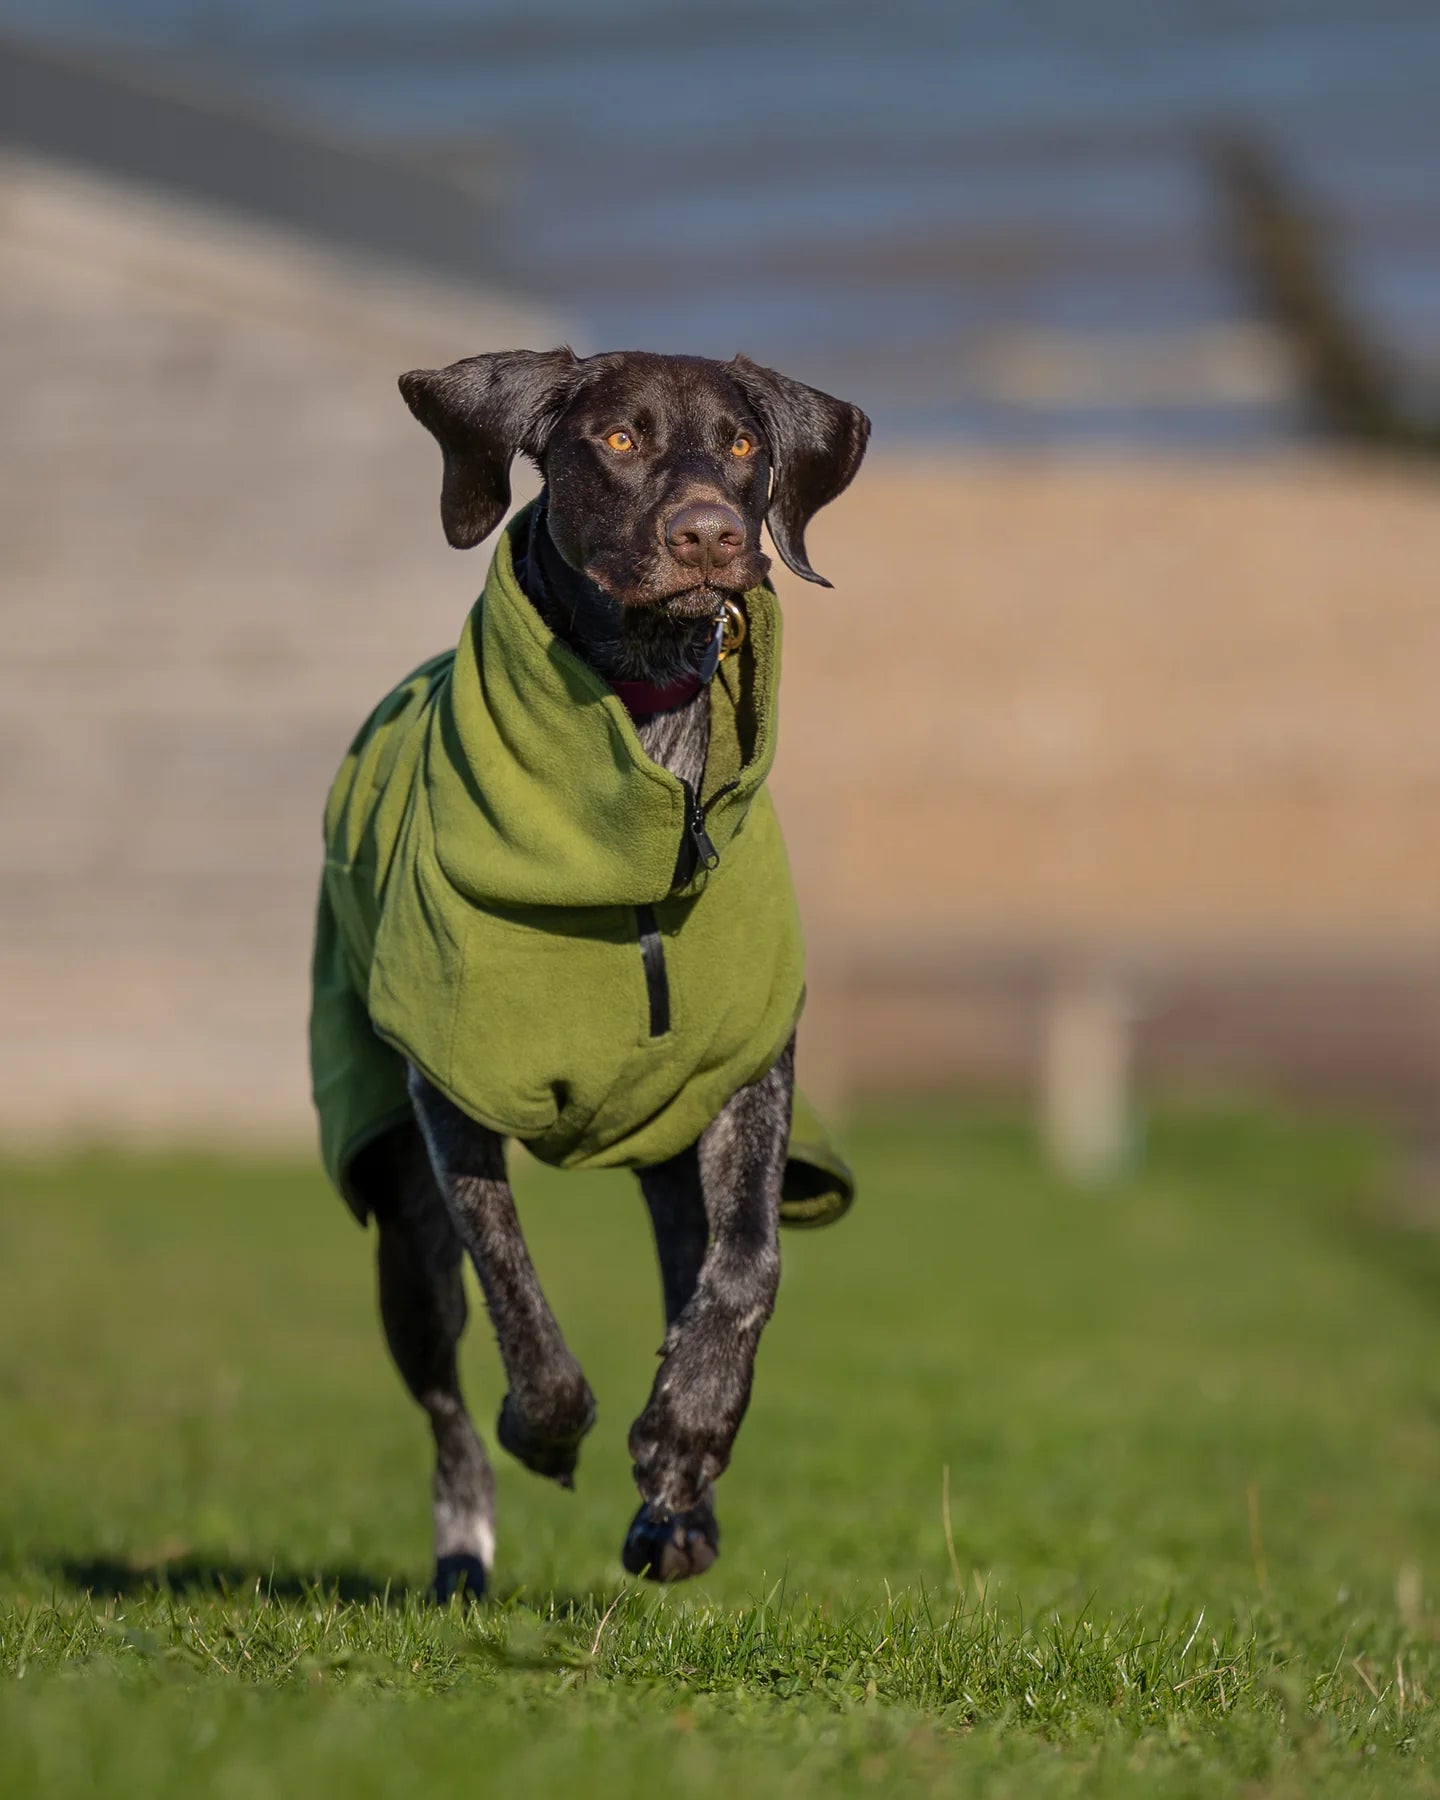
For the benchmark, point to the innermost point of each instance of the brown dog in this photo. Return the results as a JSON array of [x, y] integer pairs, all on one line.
[[659, 472]]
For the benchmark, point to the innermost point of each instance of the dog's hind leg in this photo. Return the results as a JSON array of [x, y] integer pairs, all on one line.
[[676, 1201], [549, 1406], [718, 1296], [685, 1543], [422, 1305]]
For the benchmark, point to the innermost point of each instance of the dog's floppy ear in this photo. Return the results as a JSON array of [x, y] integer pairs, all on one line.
[[816, 444], [484, 412]]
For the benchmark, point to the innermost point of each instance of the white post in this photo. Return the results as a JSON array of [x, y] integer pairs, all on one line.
[[1085, 1076]]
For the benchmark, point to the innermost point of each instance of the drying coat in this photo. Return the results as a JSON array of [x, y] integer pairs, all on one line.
[[570, 944]]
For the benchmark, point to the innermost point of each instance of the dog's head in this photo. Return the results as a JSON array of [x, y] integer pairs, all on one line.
[[659, 470]]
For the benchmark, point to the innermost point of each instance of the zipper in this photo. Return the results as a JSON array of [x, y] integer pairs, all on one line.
[[697, 848], [657, 981]]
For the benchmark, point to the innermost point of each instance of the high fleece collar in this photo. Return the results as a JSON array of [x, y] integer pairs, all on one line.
[[539, 789]]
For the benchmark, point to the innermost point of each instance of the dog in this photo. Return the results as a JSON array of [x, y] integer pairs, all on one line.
[[556, 908]]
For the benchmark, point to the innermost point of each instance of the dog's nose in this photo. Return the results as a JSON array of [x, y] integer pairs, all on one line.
[[705, 535]]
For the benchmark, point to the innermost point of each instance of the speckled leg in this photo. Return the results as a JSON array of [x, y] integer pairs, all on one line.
[[549, 1406], [422, 1305], [716, 1210]]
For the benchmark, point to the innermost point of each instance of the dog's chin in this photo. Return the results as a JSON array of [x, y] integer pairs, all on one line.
[[695, 601], [652, 633], [694, 604], [687, 605]]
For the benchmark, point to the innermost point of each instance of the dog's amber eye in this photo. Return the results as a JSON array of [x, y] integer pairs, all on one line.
[[620, 442], [743, 446]]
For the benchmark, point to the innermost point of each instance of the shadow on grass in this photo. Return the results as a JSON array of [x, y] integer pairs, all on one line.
[[111, 1577]]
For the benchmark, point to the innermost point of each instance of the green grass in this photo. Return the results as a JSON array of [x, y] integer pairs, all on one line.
[[1192, 1429]]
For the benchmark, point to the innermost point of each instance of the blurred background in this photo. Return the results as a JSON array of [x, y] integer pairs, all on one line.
[[1109, 768]]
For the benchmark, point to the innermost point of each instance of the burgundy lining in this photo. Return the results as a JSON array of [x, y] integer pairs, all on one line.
[[644, 699]]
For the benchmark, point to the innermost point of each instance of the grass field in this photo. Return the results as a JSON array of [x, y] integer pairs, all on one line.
[[1192, 1429]]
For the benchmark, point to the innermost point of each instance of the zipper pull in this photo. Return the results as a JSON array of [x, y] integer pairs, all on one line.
[[697, 847], [708, 856]]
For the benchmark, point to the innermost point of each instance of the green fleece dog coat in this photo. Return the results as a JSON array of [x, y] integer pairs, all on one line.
[[497, 843]]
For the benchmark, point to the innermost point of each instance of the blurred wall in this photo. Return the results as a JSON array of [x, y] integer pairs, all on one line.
[[1164, 722], [1145, 726], [221, 543]]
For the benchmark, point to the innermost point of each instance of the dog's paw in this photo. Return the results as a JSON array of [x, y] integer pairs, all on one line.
[[458, 1577], [672, 1546], [552, 1454]]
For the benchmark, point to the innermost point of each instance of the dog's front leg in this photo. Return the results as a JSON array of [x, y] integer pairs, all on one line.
[[681, 1443], [549, 1407]]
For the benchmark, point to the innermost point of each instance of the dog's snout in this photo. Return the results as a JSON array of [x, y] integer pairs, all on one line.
[[705, 535]]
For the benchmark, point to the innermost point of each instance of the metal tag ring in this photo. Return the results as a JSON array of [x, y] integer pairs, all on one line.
[[733, 630]]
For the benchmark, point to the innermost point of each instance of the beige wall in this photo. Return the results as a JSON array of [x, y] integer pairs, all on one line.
[[221, 541], [1170, 718], [1132, 699]]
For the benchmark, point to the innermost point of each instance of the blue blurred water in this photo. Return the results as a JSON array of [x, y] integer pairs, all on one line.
[[877, 197]]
